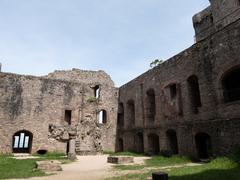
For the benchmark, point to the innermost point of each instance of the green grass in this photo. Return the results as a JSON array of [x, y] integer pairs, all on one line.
[[158, 161], [123, 154], [129, 167], [219, 169], [25, 168], [13, 168], [52, 156], [223, 168]]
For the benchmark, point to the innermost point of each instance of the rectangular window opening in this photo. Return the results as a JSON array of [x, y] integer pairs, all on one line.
[[173, 91], [68, 116], [102, 117], [16, 141], [97, 92]]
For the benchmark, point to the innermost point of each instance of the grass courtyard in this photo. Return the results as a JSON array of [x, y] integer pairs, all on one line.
[[178, 168], [181, 168], [24, 168]]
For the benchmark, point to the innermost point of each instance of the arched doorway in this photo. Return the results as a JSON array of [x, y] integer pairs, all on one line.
[[203, 145], [231, 85], [120, 145], [153, 144], [172, 141], [138, 141], [22, 142]]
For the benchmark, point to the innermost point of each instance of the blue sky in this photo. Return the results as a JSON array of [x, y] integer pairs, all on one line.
[[120, 37]]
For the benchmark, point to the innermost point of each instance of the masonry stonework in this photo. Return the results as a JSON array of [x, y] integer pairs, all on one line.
[[190, 114], [188, 105], [34, 104]]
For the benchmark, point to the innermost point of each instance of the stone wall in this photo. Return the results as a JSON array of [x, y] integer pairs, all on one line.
[[33, 103], [215, 17], [208, 61]]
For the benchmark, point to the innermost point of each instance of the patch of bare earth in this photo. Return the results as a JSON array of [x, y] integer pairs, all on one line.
[[85, 168]]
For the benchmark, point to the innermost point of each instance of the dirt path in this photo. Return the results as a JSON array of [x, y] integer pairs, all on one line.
[[86, 168], [97, 168], [147, 169]]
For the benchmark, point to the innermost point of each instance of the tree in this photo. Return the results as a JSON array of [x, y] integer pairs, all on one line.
[[155, 63]]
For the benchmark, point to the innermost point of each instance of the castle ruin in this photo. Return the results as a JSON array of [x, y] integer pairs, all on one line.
[[188, 105]]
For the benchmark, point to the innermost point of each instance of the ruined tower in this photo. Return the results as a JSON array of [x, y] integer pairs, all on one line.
[[218, 15]]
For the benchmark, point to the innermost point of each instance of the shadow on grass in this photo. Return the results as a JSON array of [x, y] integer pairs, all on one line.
[[217, 174]]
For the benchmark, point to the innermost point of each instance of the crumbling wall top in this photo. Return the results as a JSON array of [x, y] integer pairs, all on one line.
[[199, 17], [82, 76]]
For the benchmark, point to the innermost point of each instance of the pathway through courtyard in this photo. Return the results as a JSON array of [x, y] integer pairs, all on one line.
[[97, 168], [85, 168]]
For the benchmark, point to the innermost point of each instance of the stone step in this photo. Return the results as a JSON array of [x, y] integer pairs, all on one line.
[[77, 149], [21, 154]]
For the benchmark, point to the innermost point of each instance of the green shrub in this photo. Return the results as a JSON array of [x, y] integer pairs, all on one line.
[[91, 99]]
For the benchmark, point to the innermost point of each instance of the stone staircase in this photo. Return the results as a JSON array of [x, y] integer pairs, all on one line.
[[77, 146]]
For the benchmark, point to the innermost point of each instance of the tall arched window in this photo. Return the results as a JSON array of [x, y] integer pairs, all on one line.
[[102, 117], [131, 112], [231, 85], [22, 142], [96, 91], [194, 93], [150, 106], [120, 118]]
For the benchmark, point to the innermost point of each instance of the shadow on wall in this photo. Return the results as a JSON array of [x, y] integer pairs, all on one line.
[[221, 174]]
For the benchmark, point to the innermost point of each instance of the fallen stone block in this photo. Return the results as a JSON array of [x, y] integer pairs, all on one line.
[[159, 176], [120, 159], [49, 166]]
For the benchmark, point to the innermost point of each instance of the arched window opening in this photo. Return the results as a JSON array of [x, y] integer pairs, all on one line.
[[153, 144], [120, 145], [97, 91], [172, 141], [120, 118], [102, 117], [203, 145], [139, 143], [150, 106], [194, 93], [131, 112], [231, 85], [22, 142]]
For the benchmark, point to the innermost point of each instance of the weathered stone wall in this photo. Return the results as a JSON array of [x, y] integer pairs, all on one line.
[[215, 17], [208, 60], [33, 103], [225, 12]]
